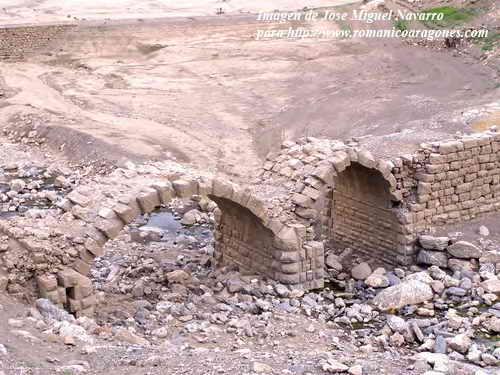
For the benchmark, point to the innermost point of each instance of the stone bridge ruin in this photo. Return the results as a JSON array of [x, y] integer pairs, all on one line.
[[311, 194]]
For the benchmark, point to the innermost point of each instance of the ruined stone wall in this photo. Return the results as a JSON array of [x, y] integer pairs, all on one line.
[[242, 239], [56, 252], [19, 42], [312, 192], [345, 197], [456, 181], [441, 183]]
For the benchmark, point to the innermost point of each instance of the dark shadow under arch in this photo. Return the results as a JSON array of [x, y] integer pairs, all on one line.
[[364, 216], [242, 239]]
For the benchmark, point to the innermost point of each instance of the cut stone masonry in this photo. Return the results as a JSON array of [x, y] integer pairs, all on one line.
[[310, 194]]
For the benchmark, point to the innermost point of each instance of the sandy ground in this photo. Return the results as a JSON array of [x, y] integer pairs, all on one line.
[[206, 92], [44, 11]]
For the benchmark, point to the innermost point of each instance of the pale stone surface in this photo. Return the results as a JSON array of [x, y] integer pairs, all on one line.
[[361, 271], [491, 286], [131, 338], [465, 250], [407, 293]]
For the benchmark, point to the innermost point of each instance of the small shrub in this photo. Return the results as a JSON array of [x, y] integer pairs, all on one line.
[[401, 25]]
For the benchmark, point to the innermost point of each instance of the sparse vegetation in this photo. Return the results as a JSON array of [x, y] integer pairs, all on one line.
[[490, 42], [345, 27], [401, 25], [451, 16]]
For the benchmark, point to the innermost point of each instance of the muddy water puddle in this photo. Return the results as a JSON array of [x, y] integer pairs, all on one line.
[[164, 225]]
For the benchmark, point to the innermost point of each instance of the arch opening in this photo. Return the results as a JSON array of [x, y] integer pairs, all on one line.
[[364, 215], [242, 239]]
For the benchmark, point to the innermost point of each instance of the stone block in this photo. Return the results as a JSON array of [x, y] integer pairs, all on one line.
[[205, 186], [79, 199], [465, 250], [256, 206], [366, 159], [81, 267], [288, 278], [306, 213], [107, 213], [62, 295], [47, 283], [324, 173], [432, 258], [222, 188], [52, 296], [148, 200], [88, 312], [83, 213], [463, 264], [302, 200], [340, 161], [74, 305], [110, 227], [185, 188], [449, 147], [89, 301], [433, 243], [86, 255], [165, 191], [311, 193], [97, 236], [93, 247], [126, 213], [290, 268], [68, 278]]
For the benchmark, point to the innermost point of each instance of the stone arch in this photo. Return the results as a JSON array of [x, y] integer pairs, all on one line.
[[365, 208], [245, 235], [352, 199], [365, 215]]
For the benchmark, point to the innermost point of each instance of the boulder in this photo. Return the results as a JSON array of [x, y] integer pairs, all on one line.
[[259, 367], [361, 271], [377, 280], [491, 286], [484, 231], [461, 343], [432, 258], [66, 329], [493, 324], [332, 261], [433, 243], [17, 185], [126, 336], [191, 217], [463, 264], [333, 366], [464, 250], [178, 276], [396, 323], [406, 293], [423, 277]]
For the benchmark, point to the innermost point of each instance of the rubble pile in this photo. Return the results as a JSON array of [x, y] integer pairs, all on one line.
[[24, 187], [448, 318]]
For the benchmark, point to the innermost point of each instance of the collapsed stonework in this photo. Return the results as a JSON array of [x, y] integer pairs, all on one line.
[[313, 193], [379, 205]]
